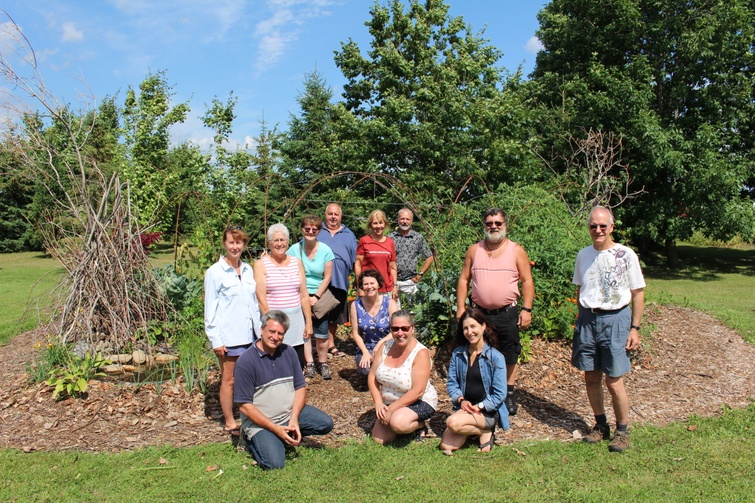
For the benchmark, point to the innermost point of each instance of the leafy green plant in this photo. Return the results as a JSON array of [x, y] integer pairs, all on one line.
[[539, 222], [194, 362], [434, 307], [74, 379], [53, 355]]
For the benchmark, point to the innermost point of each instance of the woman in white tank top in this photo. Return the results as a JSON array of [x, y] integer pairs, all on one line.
[[399, 382]]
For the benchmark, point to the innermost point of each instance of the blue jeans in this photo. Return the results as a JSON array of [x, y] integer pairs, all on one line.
[[268, 449]]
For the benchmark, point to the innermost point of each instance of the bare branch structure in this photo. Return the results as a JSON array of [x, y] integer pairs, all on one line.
[[594, 173], [108, 294]]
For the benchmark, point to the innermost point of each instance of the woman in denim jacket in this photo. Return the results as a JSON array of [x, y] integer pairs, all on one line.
[[476, 384]]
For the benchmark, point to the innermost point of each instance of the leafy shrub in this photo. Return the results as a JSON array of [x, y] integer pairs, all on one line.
[[148, 240], [53, 355], [540, 223], [74, 379], [179, 288]]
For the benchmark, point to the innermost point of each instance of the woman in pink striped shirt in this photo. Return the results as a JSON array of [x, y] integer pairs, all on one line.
[[282, 284]]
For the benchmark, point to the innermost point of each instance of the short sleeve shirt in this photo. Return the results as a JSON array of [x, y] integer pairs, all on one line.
[[344, 246], [607, 277], [378, 255], [314, 268], [268, 382], [409, 250]]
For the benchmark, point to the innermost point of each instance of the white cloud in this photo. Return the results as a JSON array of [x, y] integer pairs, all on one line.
[[210, 19], [534, 45], [70, 33], [276, 33]]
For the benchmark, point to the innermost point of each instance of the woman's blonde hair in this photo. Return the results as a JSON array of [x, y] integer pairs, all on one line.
[[375, 215]]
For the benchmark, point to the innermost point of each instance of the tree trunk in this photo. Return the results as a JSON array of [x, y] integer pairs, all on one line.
[[672, 253]]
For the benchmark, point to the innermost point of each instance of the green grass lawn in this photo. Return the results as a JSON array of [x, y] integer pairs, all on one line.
[[720, 281], [25, 281], [700, 460]]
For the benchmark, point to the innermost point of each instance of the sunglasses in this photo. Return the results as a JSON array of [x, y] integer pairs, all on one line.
[[495, 223], [595, 226], [400, 329], [310, 230]]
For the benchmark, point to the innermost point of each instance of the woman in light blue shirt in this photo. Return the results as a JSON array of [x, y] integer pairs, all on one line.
[[317, 259], [231, 314]]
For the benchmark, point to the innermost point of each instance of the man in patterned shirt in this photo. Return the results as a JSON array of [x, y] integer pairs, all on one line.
[[411, 247], [608, 279]]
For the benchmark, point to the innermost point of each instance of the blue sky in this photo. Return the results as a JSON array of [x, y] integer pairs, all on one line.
[[259, 49]]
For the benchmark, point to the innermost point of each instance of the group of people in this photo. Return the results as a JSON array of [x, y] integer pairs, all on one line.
[[261, 321]]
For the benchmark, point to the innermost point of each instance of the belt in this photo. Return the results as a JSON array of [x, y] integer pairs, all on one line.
[[595, 310], [496, 311]]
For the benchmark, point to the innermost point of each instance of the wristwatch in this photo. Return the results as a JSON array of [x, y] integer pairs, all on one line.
[[528, 309], [636, 327]]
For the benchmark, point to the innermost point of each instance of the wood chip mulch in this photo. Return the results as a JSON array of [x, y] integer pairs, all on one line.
[[690, 364]]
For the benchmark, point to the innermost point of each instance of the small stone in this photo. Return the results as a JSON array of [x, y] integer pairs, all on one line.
[[113, 369], [576, 434], [164, 359], [121, 358], [139, 357]]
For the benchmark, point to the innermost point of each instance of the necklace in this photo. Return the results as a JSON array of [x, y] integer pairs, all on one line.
[[490, 251]]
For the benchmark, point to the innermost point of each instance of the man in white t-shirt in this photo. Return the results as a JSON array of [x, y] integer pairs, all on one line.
[[609, 278]]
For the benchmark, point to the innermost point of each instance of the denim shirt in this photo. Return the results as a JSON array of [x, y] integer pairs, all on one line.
[[493, 373]]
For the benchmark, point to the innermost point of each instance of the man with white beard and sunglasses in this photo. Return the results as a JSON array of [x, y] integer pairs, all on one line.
[[495, 267]]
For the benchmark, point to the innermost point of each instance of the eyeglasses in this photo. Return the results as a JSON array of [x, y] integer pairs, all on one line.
[[495, 223], [235, 228], [401, 329], [595, 226], [310, 230]]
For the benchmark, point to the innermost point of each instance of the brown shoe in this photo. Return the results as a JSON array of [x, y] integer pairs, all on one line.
[[620, 442], [599, 433]]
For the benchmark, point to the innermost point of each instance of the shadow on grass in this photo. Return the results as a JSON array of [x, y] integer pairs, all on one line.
[[703, 263], [551, 414]]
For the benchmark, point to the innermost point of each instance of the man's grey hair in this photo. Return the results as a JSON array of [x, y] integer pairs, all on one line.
[[277, 228], [599, 208], [276, 315], [406, 210], [491, 212]]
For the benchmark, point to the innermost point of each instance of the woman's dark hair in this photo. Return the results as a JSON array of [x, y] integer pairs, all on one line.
[[312, 220], [371, 273], [479, 317]]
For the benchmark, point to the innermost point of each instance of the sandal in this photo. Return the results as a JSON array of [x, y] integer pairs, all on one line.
[[335, 352], [420, 434], [490, 443], [234, 432]]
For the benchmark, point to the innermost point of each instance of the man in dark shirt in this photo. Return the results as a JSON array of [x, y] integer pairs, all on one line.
[[411, 248], [269, 387]]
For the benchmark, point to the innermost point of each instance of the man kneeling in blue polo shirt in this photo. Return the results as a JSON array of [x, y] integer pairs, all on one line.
[[271, 392]]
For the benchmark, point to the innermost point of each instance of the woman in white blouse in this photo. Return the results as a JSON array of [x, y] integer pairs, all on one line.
[[231, 314], [399, 382]]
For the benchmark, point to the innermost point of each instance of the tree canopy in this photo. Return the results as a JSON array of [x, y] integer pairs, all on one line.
[[675, 79]]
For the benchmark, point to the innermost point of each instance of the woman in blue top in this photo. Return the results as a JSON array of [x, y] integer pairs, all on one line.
[[476, 384], [370, 317], [317, 259], [231, 314]]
